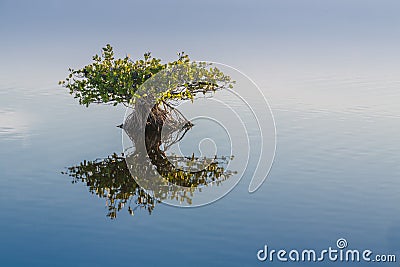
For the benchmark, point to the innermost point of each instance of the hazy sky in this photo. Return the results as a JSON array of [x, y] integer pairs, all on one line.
[[258, 37]]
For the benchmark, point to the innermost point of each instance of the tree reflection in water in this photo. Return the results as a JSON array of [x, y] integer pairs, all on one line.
[[111, 177], [153, 126]]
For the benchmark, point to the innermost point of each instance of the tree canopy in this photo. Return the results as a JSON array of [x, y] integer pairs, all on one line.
[[151, 88], [114, 80]]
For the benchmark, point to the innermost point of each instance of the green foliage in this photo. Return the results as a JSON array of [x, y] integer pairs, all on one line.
[[109, 178], [117, 80], [120, 80]]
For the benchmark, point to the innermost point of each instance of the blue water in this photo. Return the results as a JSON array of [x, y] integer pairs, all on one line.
[[330, 71], [335, 175]]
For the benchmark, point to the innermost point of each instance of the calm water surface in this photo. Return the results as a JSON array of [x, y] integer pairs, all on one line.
[[336, 174], [330, 70]]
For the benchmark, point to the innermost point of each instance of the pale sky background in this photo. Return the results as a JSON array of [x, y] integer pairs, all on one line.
[[280, 44]]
